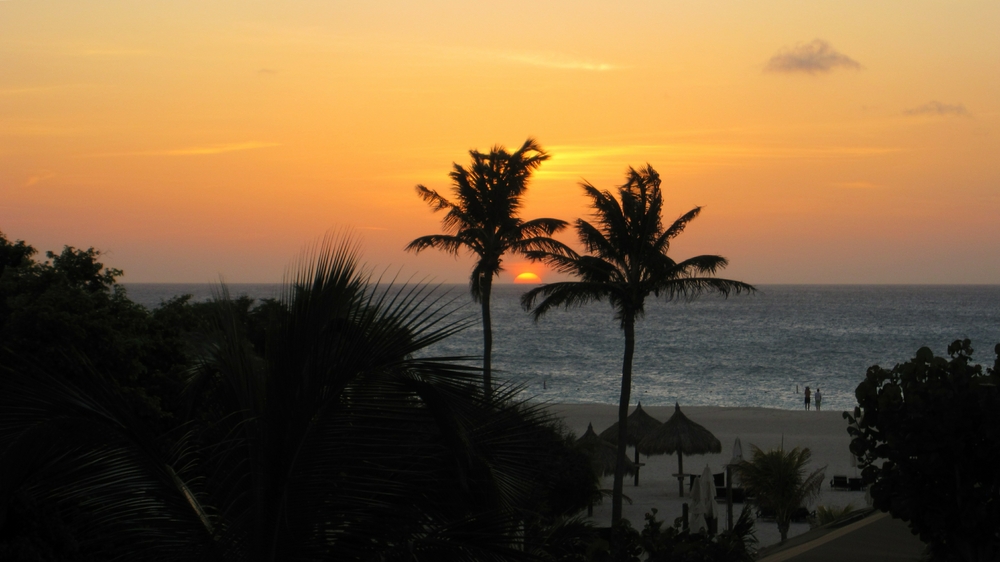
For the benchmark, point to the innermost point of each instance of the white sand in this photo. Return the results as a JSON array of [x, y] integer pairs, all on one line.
[[824, 433]]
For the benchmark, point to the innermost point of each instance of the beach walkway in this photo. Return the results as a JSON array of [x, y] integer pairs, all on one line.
[[875, 537]]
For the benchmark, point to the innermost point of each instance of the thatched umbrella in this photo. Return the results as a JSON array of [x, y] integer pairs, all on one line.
[[683, 436], [603, 455], [640, 424]]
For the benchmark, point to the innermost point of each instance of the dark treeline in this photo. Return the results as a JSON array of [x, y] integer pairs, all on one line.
[[300, 428]]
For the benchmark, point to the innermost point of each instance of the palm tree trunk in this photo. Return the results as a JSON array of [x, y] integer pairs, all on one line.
[[628, 325], [487, 287], [636, 465]]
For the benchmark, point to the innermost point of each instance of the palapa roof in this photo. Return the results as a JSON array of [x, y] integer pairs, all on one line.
[[680, 434], [603, 455], [640, 424]]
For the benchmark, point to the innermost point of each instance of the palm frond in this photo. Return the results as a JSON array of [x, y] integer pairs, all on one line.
[[677, 227], [448, 243], [543, 244], [690, 288], [703, 265], [74, 446], [600, 244], [563, 259], [541, 227], [609, 214], [566, 294], [433, 198]]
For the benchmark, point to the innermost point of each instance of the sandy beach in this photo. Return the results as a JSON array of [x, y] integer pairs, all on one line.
[[824, 433]]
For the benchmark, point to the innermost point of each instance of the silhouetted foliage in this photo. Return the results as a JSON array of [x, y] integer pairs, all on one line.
[[627, 263], [927, 435], [654, 543], [484, 220], [828, 514], [14, 254], [675, 545], [778, 482], [69, 311], [566, 482], [33, 532], [316, 429]]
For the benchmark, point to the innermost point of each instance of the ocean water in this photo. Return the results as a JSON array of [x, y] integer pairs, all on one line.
[[758, 350]]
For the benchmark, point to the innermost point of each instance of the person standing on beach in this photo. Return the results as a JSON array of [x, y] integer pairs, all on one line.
[[808, 396], [819, 399]]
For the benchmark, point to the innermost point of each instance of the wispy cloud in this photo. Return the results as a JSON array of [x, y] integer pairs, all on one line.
[[103, 52], [855, 185], [575, 161], [29, 90], [938, 108], [39, 177], [702, 150], [316, 37], [195, 150], [33, 128], [810, 58], [212, 149], [34, 90], [554, 61]]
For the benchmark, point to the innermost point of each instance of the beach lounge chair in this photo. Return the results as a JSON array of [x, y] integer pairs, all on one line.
[[839, 483]]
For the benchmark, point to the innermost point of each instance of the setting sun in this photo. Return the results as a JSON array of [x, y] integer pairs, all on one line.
[[527, 278]]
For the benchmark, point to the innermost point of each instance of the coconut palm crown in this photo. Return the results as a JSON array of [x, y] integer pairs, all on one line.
[[483, 219], [627, 262]]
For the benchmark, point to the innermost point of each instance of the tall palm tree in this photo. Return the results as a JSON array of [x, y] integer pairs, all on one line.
[[483, 219], [778, 480], [627, 262], [336, 442]]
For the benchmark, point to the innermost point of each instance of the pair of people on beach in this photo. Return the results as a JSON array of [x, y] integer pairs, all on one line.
[[819, 398]]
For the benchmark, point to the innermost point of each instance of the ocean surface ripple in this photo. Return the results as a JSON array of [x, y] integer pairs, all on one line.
[[760, 350]]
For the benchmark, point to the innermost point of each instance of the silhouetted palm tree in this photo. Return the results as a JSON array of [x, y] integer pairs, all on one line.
[[778, 481], [483, 219], [337, 442], [628, 262]]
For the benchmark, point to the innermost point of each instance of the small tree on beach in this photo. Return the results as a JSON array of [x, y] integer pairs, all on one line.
[[627, 263], [483, 219], [778, 481]]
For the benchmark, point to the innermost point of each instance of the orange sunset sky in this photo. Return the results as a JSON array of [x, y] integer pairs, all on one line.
[[828, 141]]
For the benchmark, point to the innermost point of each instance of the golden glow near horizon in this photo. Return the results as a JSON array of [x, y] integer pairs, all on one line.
[[829, 142]]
